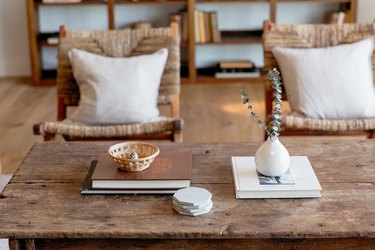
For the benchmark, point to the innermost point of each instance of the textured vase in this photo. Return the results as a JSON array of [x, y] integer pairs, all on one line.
[[272, 158]]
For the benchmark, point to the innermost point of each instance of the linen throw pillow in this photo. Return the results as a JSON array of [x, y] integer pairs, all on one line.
[[329, 83], [117, 90]]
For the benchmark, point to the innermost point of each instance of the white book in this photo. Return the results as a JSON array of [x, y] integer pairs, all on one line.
[[299, 182], [53, 40], [62, 1], [237, 74]]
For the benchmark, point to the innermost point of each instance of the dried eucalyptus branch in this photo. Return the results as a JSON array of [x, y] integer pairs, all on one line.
[[246, 101], [274, 132]]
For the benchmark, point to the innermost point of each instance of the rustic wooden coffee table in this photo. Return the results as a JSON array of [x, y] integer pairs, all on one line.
[[42, 207]]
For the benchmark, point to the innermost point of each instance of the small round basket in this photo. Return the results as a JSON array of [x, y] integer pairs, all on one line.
[[121, 155]]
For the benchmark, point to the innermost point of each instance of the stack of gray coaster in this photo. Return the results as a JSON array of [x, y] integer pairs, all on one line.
[[192, 201]]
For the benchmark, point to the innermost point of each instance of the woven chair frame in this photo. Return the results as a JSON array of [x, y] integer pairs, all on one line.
[[315, 36], [118, 43]]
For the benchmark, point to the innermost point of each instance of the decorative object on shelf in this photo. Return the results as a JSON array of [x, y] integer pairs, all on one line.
[[272, 158], [142, 25], [133, 156]]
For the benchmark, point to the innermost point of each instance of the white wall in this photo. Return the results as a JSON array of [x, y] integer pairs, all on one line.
[[14, 55], [14, 50], [366, 11]]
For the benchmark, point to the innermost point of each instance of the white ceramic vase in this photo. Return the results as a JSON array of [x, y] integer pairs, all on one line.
[[272, 158]]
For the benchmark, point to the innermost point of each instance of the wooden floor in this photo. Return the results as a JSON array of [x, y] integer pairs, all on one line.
[[212, 113]]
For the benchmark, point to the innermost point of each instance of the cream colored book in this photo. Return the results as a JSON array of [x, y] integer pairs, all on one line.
[[299, 182], [62, 1]]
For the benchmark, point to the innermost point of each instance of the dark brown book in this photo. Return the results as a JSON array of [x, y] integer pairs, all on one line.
[[169, 170], [87, 189], [237, 64], [216, 35]]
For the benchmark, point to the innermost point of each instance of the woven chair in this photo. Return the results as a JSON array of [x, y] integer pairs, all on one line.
[[119, 43], [315, 36]]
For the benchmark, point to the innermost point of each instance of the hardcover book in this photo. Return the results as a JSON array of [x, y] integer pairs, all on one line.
[[251, 74], [61, 1], [299, 182], [236, 64], [169, 170], [87, 187]]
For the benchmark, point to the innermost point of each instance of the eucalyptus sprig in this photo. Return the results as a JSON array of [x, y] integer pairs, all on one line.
[[274, 132]]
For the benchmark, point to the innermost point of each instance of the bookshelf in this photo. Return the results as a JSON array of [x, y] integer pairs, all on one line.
[[38, 39]]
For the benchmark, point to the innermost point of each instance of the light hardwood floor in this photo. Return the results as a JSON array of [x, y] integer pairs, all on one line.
[[212, 113]]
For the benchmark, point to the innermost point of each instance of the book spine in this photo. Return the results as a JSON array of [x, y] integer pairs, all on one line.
[[196, 26], [62, 1], [207, 27], [185, 28], [177, 18], [216, 36], [202, 32]]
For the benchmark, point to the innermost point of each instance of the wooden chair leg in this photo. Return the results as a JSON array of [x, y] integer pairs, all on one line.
[[38, 129], [371, 134], [177, 131], [49, 137]]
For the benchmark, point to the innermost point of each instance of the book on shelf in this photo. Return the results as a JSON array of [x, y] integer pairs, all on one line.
[[52, 40], [181, 18], [236, 64], [338, 17], [206, 27], [169, 170], [299, 182], [238, 73], [88, 189], [61, 1], [214, 23], [196, 26], [48, 37], [202, 27]]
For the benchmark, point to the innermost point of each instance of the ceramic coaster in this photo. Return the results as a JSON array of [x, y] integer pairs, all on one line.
[[183, 206], [192, 196], [204, 211], [196, 210]]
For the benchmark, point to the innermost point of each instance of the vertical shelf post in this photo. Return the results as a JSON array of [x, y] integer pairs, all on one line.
[[111, 14], [354, 10], [33, 46], [191, 41], [273, 6]]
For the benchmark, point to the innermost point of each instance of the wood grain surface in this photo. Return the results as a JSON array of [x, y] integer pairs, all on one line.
[[42, 201]]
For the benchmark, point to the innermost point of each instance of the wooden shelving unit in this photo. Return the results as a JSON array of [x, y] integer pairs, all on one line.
[[37, 40]]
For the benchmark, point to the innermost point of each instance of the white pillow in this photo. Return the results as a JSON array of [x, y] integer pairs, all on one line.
[[117, 90], [329, 83]]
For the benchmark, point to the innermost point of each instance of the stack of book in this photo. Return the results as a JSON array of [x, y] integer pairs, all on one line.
[[206, 26], [299, 182], [169, 172], [51, 38], [237, 69], [61, 1]]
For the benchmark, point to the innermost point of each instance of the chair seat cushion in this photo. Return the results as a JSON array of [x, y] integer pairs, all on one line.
[[117, 90], [297, 121], [76, 129]]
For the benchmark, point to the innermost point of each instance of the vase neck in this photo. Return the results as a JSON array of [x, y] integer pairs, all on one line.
[[273, 140]]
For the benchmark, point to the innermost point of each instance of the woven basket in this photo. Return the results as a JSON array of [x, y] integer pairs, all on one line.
[[120, 154]]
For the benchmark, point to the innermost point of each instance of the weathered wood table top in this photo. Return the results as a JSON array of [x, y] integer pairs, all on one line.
[[42, 205]]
